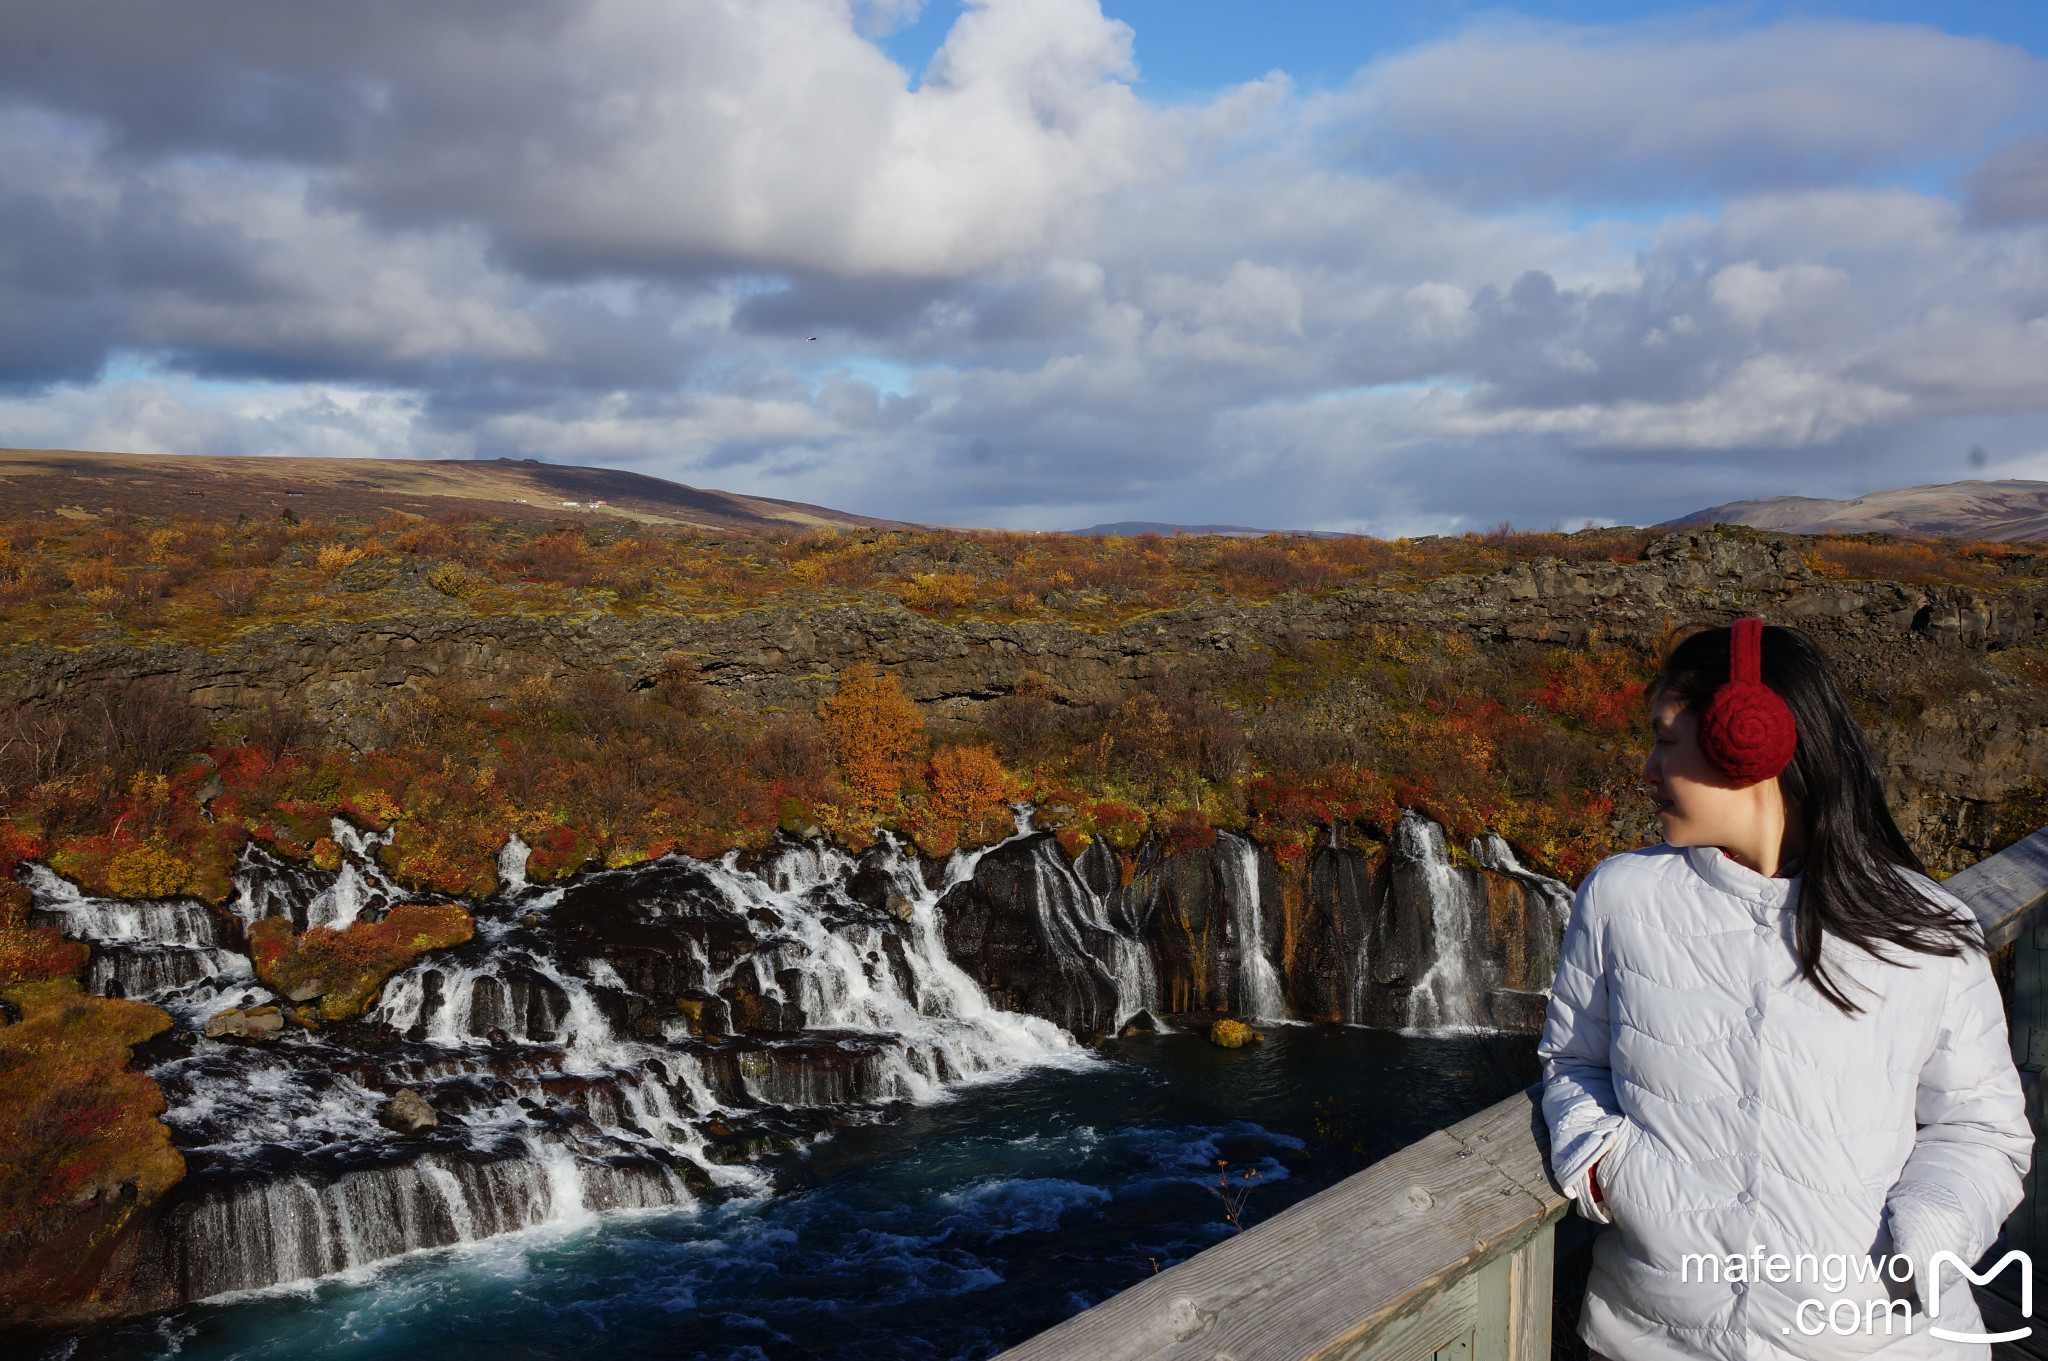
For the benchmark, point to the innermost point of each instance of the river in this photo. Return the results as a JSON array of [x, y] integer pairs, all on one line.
[[956, 1228]]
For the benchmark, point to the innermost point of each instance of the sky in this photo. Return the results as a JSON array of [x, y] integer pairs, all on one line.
[[1391, 268]]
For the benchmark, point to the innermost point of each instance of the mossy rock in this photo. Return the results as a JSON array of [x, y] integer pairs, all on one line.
[[1233, 1034]]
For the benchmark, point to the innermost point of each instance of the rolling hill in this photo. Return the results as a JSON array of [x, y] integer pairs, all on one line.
[[76, 483], [2010, 511]]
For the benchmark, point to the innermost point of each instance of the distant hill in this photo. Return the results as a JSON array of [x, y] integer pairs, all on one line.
[[1131, 529], [2010, 511], [71, 482]]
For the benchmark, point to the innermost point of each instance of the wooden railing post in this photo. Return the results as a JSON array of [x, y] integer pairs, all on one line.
[[2007, 892]]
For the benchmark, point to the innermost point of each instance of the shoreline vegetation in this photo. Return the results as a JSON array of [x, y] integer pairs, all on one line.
[[130, 790]]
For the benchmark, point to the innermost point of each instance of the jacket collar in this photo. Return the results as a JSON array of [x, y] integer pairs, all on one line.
[[1723, 873]]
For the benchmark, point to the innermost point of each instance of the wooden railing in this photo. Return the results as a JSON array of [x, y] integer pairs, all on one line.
[[1444, 1251]]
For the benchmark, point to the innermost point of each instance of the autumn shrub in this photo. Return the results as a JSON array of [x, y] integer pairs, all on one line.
[[1024, 721], [236, 592], [146, 724], [966, 804], [563, 556], [1842, 556], [1598, 690], [791, 751], [1261, 566], [873, 730], [335, 558], [149, 870], [425, 541], [936, 591], [454, 580]]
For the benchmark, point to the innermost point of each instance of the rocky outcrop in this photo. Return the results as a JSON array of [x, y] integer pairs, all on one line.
[[1962, 737], [408, 1113], [1404, 934]]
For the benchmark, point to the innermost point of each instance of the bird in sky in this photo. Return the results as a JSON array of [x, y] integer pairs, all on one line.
[[812, 337]]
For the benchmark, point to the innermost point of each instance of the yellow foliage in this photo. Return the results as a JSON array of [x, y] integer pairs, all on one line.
[[150, 870], [873, 729], [379, 807], [335, 557], [939, 591], [453, 579]]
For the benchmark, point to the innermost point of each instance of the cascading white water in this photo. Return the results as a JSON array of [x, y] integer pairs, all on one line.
[[1260, 997], [562, 1113], [257, 1234], [1078, 928], [1494, 853], [942, 1022], [597, 1090], [512, 864], [266, 886], [155, 950], [1447, 996]]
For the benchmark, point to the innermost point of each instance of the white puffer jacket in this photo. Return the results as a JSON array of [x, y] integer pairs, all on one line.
[[1735, 1110]]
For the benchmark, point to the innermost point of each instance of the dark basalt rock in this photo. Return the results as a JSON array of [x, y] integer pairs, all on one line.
[[1019, 927]]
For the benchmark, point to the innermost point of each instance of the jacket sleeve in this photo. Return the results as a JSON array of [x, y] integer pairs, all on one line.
[[1578, 1087], [1964, 1174]]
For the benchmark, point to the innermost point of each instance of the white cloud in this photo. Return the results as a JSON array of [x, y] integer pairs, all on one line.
[[1512, 108], [604, 231]]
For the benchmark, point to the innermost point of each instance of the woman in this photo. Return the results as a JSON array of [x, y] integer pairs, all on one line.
[[1775, 1059]]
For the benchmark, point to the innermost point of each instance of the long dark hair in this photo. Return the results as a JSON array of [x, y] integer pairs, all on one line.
[[1850, 880]]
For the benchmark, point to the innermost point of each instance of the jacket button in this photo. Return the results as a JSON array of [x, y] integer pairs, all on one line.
[[1745, 1197], [1744, 1104], [1763, 930], [1738, 1287], [1754, 1013]]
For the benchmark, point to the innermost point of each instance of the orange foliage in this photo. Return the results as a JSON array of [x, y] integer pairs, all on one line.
[[968, 787], [1842, 556], [873, 730], [76, 1124]]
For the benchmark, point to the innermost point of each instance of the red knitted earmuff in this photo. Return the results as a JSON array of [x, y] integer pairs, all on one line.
[[1747, 730]]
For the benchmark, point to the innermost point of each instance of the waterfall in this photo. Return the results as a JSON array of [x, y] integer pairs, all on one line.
[[567, 1079], [1087, 945], [1448, 995], [158, 951], [269, 886], [1260, 996], [512, 864]]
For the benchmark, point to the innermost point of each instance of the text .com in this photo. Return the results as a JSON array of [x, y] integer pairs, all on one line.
[[1835, 1271]]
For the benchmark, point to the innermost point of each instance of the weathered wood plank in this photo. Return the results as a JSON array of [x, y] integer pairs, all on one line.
[[1529, 1291], [2001, 890], [1494, 1282], [1338, 1271], [1441, 1328]]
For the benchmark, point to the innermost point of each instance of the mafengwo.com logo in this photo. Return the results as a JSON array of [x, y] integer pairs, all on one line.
[[2026, 1267], [1846, 1317]]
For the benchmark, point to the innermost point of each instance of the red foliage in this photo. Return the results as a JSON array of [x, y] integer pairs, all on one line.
[[1602, 692]]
